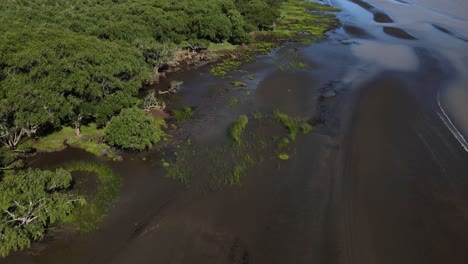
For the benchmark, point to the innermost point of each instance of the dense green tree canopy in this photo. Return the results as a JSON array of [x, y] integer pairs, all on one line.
[[69, 62], [29, 202], [133, 129]]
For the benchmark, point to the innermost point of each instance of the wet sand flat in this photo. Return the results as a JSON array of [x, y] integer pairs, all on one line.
[[404, 189]]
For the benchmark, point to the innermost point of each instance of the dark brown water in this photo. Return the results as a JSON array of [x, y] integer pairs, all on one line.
[[381, 179]]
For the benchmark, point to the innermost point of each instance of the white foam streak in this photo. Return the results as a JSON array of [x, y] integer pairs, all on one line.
[[449, 124]]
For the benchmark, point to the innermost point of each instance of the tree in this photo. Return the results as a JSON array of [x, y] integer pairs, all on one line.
[[29, 202], [239, 34], [9, 160], [133, 129], [23, 111]]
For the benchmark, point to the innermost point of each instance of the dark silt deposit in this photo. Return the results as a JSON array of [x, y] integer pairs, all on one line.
[[398, 33], [380, 178], [379, 15], [356, 32]]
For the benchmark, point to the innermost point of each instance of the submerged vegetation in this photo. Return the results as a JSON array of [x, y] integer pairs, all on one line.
[[86, 216], [183, 114], [228, 163]]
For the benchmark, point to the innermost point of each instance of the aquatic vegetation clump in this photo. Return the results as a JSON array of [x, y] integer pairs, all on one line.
[[283, 156], [261, 47], [86, 217], [224, 67], [183, 114], [294, 126], [239, 84], [237, 128], [299, 17], [180, 170]]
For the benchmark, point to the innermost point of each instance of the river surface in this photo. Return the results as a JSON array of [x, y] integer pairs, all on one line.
[[383, 177]]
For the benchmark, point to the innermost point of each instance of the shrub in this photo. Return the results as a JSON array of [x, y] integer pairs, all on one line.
[[132, 129]]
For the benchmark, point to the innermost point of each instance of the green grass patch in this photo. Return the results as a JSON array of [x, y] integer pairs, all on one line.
[[183, 114], [54, 141], [239, 84], [221, 46], [294, 126], [85, 218], [224, 67], [92, 146], [90, 140], [237, 128]]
